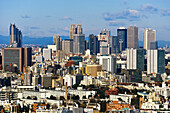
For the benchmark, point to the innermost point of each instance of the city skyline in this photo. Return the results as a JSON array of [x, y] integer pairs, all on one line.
[[48, 19]]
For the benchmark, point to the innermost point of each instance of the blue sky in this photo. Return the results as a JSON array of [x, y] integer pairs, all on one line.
[[41, 18]]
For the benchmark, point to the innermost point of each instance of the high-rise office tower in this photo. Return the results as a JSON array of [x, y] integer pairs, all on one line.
[[75, 30], [105, 32], [108, 63], [72, 30], [135, 59], [16, 56], [155, 61], [78, 43], [93, 44], [86, 44], [79, 30], [57, 40], [104, 47], [122, 38], [15, 36], [78, 39], [132, 37], [114, 44], [104, 35], [67, 45], [27, 57], [47, 54], [148, 36], [153, 45]]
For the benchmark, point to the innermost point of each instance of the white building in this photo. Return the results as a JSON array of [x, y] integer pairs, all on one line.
[[70, 80], [53, 47], [155, 61], [47, 54], [135, 59], [104, 48], [108, 63], [39, 59], [125, 97]]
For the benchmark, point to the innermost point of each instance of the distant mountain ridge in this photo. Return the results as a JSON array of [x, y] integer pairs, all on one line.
[[49, 40]]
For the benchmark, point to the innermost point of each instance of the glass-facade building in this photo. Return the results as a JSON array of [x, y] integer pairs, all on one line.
[[17, 57], [76, 59], [122, 36], [114, 44], [93, 44]]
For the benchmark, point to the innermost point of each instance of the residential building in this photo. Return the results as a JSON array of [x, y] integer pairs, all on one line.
[[135, 59], [155, 61]]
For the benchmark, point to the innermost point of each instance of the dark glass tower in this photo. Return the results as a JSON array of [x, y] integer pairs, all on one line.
[[122, 38], [114, 44], [93, 44]]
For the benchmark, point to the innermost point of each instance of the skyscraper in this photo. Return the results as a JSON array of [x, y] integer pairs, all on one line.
[[57, 40], [72, 30], [86, 44], [79, 29], [155, 61], [78, 43], [122, 38], [114, 44], [153, 45], [105, 32], [132, 37], [148, 36], [104, 47], [135, 59], [27, 57], [104, 35], [93, 44], [67, 45], [78, 38], [15, 36], [16, 56]]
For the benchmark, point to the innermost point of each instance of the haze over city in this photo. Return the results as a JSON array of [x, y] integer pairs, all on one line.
[[42, 18]]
